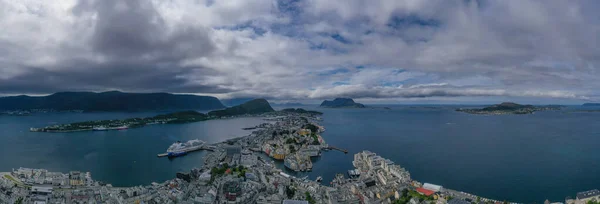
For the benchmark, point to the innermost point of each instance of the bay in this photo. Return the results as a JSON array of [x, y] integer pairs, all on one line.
[[520, 158], [121, 158]]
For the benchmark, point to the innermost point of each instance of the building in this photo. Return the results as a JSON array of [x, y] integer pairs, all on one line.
[[424, 191], [233, 149], [279, 154], [304, 132], [233, 190], [369, 182], [588, 195], [248, 159], [458, 201], [294, 202], [432, 187], [76, 178]]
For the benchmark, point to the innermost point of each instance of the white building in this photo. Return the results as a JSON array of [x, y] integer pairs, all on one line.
[[432, 187]]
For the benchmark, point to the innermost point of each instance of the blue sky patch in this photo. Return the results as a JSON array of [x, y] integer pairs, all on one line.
[[401, 22]]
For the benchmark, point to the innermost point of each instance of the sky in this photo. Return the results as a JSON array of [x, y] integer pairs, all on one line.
[[380, 51]]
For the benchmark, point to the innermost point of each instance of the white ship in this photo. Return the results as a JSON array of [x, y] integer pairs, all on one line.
[[178, 148]]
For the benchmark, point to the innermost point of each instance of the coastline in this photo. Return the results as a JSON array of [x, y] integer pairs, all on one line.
[[238, 138]]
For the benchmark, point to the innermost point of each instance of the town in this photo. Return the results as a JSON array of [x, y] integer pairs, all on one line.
[[243, 170]]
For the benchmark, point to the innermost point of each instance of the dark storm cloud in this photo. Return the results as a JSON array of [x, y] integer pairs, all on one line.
[[140, 52], [133, 30], [125, 77]]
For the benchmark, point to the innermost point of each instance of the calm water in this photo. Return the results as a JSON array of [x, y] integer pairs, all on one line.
[[523, 158], [122, 158]]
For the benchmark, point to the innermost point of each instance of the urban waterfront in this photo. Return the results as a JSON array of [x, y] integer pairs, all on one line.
[[508, 157]]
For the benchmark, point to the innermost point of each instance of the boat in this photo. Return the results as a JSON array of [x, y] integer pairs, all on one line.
[[179, 148], [100, 128], [124, 127], [355, 173], [319, 179]]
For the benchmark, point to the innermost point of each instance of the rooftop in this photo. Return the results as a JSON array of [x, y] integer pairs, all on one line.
[[425, 191], [295, 202]]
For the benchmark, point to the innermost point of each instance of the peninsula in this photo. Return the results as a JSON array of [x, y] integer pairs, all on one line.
[[108, 101], [253, 107], [508, 108], [341, 103]]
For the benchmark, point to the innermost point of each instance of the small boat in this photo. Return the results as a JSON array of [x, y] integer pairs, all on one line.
[[124, 127], [319, 179], [100, 128]]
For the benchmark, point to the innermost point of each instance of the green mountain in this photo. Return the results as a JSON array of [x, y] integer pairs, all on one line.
[[256, 106], [341, 103], [110, 101]]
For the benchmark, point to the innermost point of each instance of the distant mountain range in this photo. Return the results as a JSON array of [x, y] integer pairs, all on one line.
[[110, 101], [591, 104], [341, 103]]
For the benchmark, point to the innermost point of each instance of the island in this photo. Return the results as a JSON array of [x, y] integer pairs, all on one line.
[[508, 108], [300, 110], [251, 108], [341, 103], [108, 101], [255, 106], [591, 104]]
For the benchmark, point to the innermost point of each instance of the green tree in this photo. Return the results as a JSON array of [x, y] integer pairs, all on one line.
[[290, 192], [309, 198]]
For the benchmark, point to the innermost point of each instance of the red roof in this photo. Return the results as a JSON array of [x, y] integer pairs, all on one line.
[[425, 191]]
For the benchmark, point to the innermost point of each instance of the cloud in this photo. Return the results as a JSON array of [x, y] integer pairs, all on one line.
[[307, 49]]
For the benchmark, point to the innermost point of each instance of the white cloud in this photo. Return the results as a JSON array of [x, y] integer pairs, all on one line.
[[282, 49]]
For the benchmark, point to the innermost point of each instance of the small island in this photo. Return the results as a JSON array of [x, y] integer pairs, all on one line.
[[591, 104], [253, 107], [341, 103], [508, 108]]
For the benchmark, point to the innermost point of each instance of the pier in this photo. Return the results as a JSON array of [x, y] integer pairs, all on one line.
[[336, 148]]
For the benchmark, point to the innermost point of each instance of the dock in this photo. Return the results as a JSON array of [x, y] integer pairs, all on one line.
[[208, 148], [336, 148]]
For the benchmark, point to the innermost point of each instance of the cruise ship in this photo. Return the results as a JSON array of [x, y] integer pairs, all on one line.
[[179, 148]]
